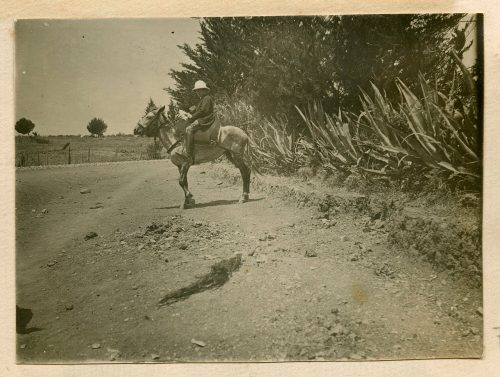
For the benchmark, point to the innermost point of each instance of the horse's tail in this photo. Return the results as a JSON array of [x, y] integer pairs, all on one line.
[[250, 157]]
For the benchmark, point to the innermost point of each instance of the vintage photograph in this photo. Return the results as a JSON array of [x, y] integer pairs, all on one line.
[[220, 189]]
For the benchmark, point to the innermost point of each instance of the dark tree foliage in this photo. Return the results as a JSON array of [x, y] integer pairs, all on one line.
[[277, 63], [172, 112], [150, 106], [97, 127], [24, 126]]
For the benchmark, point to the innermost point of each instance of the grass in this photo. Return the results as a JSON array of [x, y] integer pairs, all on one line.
[[54, 150]]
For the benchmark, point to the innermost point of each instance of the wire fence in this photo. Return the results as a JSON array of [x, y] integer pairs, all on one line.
[[81, 156]]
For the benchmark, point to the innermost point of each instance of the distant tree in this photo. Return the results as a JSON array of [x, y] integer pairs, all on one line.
[[97, 127], [172, 112], [24, 126], [150, 106]]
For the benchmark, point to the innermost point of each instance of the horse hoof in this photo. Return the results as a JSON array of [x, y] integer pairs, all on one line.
[[191, 202], [243, 199]]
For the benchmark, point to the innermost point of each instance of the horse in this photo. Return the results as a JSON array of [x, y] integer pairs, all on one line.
[[210, 144]]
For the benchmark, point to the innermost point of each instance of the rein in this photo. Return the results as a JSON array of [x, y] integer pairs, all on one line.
[[157, 134]]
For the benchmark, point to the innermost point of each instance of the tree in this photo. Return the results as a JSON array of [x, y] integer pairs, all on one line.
[[150, 106], [24, 126], [97, 127], [277, 63], [172, 112]]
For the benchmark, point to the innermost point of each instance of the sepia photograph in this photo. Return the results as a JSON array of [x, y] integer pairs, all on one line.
[[249, 189]]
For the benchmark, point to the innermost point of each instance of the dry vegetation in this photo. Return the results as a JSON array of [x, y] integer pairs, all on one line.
[[54, 150]]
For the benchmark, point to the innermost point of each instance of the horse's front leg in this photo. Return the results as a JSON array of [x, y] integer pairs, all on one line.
[[183, 182]]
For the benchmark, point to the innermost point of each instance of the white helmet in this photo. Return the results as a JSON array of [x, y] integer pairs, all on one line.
[[200, 85]]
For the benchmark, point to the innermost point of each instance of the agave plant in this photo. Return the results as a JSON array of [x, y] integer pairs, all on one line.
[[432, 138], [274, 146], [332, 138]]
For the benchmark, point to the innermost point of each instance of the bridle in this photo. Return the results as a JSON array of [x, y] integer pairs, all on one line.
[[158, 123]]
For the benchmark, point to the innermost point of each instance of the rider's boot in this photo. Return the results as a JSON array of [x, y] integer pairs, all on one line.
[[190, 145]]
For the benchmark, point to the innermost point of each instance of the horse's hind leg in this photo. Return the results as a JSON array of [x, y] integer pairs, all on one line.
[[238, 161], [183, 182]]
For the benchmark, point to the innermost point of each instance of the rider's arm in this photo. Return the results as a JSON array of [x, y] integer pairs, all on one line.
[[204, 108]]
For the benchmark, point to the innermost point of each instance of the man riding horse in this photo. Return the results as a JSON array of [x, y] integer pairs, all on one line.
[[202, 118], [213, 140]]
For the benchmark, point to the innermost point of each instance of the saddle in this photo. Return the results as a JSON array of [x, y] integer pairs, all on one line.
[[208, 135]]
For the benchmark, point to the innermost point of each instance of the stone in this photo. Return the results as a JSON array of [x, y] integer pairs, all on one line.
[[355, 356], [199, 343], [45, 210], [69, 306], [85, 191], [310, 254], [345, 238], [337, 329], [90, 235], [155, 356], [52, 263], [479, 311], [22, 346], [96, 346], [183, 246], [113, 354]]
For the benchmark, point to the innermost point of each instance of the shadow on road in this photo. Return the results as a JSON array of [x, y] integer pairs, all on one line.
[[211, 204], [222, 203], [23, 317]]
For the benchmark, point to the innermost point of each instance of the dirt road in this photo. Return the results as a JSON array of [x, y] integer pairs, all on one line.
[[306, 289]]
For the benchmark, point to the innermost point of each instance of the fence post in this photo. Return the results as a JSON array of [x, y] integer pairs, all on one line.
[[88, 155], [38, 157], [69, 155], [46, 158]]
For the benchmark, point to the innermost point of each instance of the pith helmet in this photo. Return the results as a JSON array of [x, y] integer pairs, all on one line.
[[200, 85]]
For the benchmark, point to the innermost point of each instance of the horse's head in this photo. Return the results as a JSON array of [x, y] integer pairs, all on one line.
[[150, 124]]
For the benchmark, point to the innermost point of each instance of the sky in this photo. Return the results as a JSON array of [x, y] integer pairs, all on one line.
[[70, 71]]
